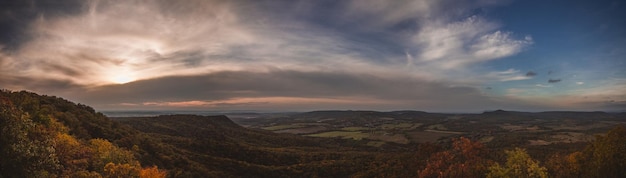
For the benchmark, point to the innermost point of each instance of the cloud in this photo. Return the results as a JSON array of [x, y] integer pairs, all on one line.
[[460, 43], [133, 39], [508, 75], [497, 45], [225, 53], [108, 42], [531, 74], [121, 41], [543, 86], [554, 80], [287, 89]]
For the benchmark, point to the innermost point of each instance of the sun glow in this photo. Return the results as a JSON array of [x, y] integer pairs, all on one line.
[[122, 79], [121, 76]]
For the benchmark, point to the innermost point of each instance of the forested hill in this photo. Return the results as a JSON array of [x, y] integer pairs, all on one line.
[[47, 136]]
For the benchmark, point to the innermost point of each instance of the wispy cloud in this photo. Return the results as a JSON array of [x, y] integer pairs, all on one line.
[[543, 86], [466, 42], [507, 75]]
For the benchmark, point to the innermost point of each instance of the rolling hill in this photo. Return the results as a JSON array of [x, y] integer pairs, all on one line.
[[47, 136]]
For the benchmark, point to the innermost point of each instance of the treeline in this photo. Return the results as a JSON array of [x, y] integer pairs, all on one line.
[[604, 157], [45, 136]]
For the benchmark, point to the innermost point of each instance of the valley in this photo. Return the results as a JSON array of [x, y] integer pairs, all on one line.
[[412, 127]]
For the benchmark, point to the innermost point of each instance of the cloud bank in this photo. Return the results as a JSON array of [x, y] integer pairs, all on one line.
[[267, 55]]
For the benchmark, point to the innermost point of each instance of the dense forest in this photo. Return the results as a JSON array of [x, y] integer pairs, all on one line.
[[47, 136]]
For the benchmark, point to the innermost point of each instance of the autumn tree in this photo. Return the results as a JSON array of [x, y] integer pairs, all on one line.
[[518, 164], [73, 154], [464, 159], [46, 136], [111, 160], [606, 155], [560, 165], [26, 148], [152, 172]]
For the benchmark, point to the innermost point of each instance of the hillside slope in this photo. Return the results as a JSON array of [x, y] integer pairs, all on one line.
[[214, 145]]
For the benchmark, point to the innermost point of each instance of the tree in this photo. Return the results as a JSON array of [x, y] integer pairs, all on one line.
[[26, 148], [465, 159], [518, 164], [121, 170], [152, 172], [606, 155], [110, 159], [565, 165], [73, 154]]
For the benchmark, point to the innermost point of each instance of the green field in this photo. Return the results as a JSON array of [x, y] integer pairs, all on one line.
[[355, 128], [282, 127], [343, 134]]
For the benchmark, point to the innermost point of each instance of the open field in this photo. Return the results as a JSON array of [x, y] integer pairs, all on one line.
[[342, 134], [534, 129], [303, 130], [282, 127]]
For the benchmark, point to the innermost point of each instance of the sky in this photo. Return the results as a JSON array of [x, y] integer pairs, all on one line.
[[275, 55]]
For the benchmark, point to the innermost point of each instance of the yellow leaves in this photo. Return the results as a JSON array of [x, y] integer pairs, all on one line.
[[518, 164], [104, 152], [121, 170], [66, 140]]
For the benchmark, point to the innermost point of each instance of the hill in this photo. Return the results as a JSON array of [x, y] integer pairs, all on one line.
[[47, 136], [73, 140]]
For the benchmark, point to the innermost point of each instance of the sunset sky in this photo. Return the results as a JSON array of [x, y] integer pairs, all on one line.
[[275, 55]]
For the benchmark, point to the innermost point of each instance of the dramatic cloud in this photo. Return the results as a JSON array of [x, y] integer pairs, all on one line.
[[291, 89], [268, 55], [455, 44]]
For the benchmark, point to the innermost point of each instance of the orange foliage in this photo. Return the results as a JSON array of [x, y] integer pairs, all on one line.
[[152, 172], [465, 159]]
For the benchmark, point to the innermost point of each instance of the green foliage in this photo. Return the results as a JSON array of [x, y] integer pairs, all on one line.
[[518, 164]]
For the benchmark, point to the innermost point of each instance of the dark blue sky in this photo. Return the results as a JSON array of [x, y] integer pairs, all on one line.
[[451, 56]]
